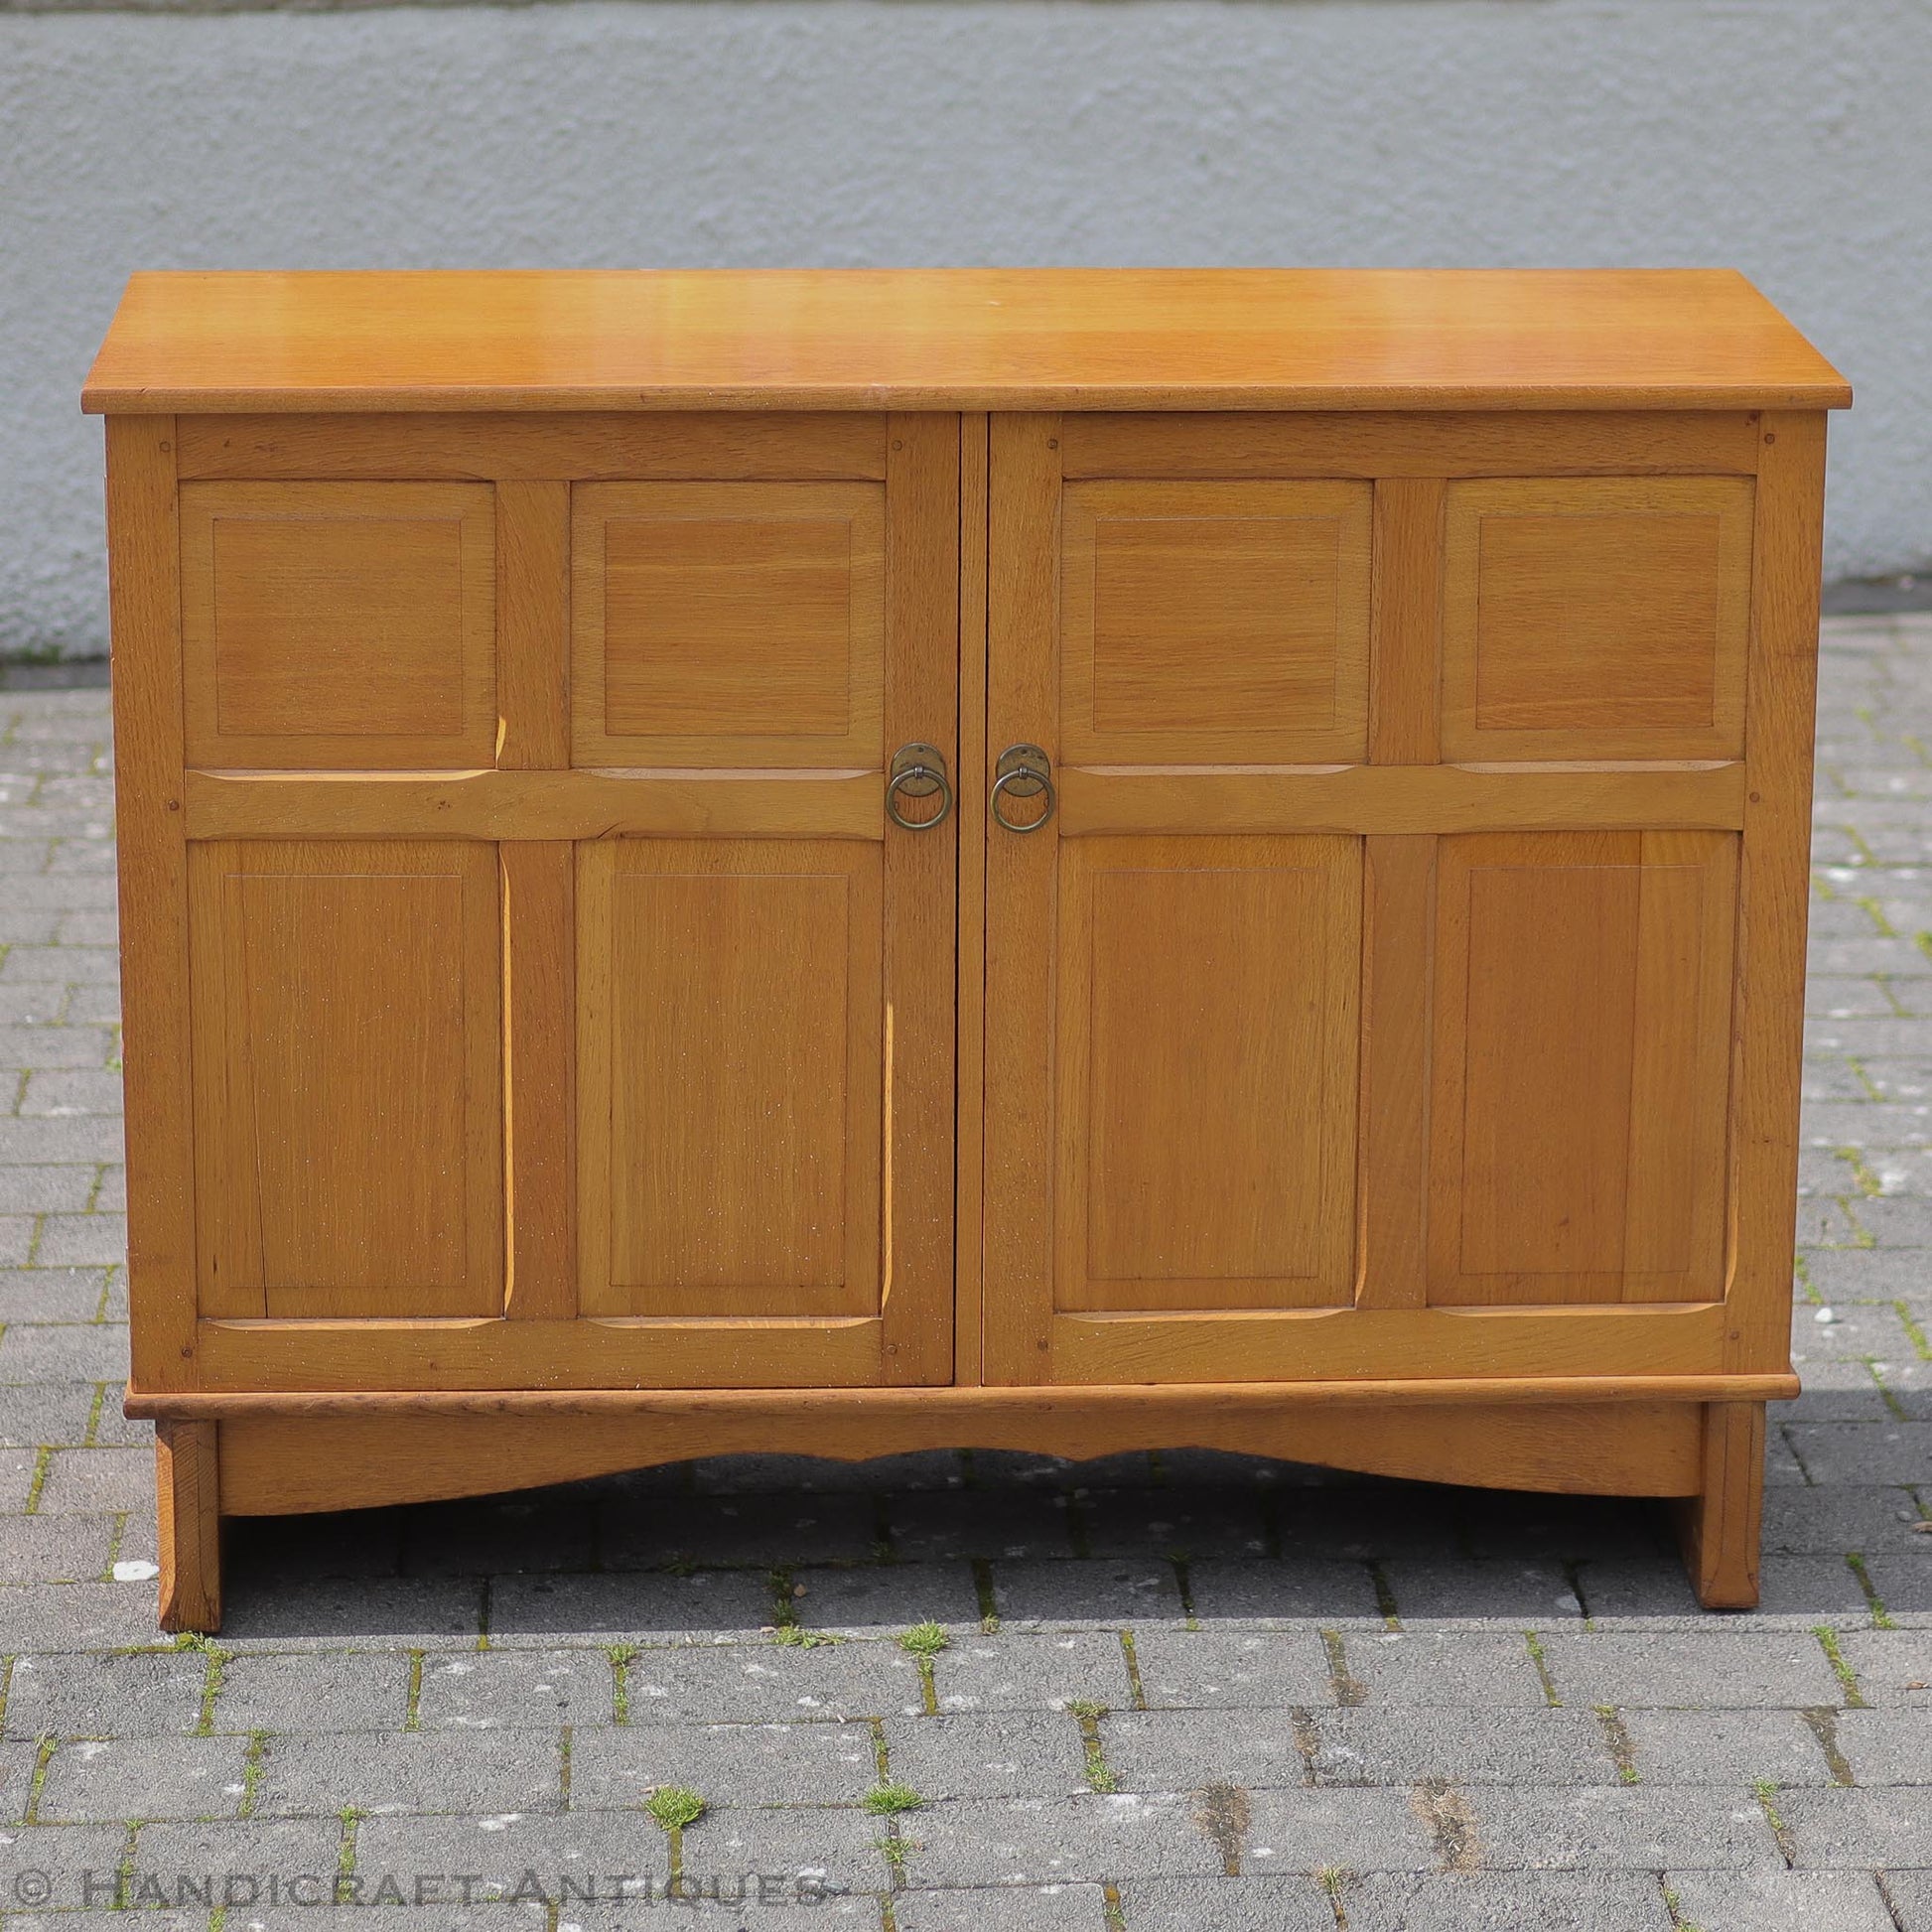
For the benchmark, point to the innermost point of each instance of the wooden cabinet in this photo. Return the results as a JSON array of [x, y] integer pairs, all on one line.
[[853, 861]]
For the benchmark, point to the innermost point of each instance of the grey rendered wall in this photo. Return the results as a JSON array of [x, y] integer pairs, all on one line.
[[1790, 138]]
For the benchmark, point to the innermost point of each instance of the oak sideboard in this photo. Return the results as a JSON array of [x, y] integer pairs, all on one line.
[[846, 862]]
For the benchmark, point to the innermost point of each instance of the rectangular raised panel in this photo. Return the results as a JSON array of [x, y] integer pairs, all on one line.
[[347, 1075], [1208, 622], [730, 624], [1595, 618], [1581, 1045], [339, 624], [1207, 1073], [730, 1026]]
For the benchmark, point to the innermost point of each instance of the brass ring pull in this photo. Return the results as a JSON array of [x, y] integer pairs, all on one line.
[[1024, 772], [918, 771]]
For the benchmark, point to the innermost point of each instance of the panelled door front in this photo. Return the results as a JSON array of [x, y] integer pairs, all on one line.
[[568, 1009], [1359, 980]]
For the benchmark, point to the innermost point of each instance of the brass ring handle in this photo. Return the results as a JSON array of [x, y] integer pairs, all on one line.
[[1026, 771], [918, 771]]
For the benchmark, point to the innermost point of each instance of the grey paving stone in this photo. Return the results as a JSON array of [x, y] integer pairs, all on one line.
[[1478, 1745], [1303, 1589], [731, 1764], [495, 1771], [756, 1531], [239, 1863], [987, 1754], [47, 1189], [1780, 1902], [90, 1481], [1548, 1902], [531, 1531], [642, 1607], [1473, 1592], [54, 1046], [1902, 1583], [51, 1412], [159, 1694], [1874, 1826], [1024, 1908], [765, 1683], [875, 1599], [1066, 1840], [81, 1240], [18, 1466], [1032, 1672], [1863, 1452], [1705, 1668], [1910, 1893], [486, 1690], [588, 1861], [1892, 1667], [71, 1090], [328, 1612], [1844, 1517], [1421, 1667], [1184, 1751], [956, 1523], [1887, 1746], [51, 1294], [25, 1142], [1065, 1592], [1625, 1828], [332, 1691], [835, 1850], [1209, 1668], [54, 1549], [76, 1617], [142, 1777], [1733, 1749], [74, 1863], [1330, 1828], [1195, 1523], [30, 1353]]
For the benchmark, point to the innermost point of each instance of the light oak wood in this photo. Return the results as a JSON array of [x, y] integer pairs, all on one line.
[[728, 624], [1582, 1036], [1394, 447], [143, 581], [1774, 884], [1596, 618], [726, 445], [539, 898], [1214, 622], [277, 1466], [731, 1033], [187, 1520], [1722, 1524], [1204, 1050], [534, 804], [330, 624], [954, 339], [347, 1077], [1385, 1054]]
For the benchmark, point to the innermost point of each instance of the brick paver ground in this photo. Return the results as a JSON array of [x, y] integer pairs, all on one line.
[[1179, 1694]]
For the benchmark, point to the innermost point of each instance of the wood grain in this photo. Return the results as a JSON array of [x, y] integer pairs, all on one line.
[[327, 624], [278, 1465], [1775, 885], [954, 339], [539, 889], [188, 1521], [532, 624], [728, 624], [733, 446], [143, 578], [1405, 645], [970, 783], [1722, 1524]]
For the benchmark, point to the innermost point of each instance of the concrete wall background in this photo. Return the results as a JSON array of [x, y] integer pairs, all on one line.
[[1789, 138]]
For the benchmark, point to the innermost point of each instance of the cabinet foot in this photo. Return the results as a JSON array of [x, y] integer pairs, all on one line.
[[189, 1499], [1721, 1525]]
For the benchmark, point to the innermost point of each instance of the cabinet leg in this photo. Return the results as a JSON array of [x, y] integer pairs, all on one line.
[[188, 1511], [1722, 1525]]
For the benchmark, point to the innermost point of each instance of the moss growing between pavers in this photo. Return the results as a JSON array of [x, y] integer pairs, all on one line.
[[674, 1806], [1098, 1774], [888, 1800], [1847, 1680]]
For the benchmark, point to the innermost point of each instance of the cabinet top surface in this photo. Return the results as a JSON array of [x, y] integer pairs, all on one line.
[[954, 339]]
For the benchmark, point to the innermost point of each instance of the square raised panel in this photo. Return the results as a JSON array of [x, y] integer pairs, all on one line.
[[339, 624], [1214, 621], [1596, 617], [728, 624]]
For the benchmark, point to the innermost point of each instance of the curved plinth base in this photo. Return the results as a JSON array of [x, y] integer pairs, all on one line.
[[265, 1461]]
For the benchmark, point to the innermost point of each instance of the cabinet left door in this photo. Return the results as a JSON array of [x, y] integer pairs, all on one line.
[[528, 987]]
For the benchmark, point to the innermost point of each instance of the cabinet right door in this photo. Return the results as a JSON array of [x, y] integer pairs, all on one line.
[[1367, 1006]]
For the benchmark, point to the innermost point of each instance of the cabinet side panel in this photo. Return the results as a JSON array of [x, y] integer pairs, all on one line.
[[144, 563], [1781, 693]]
